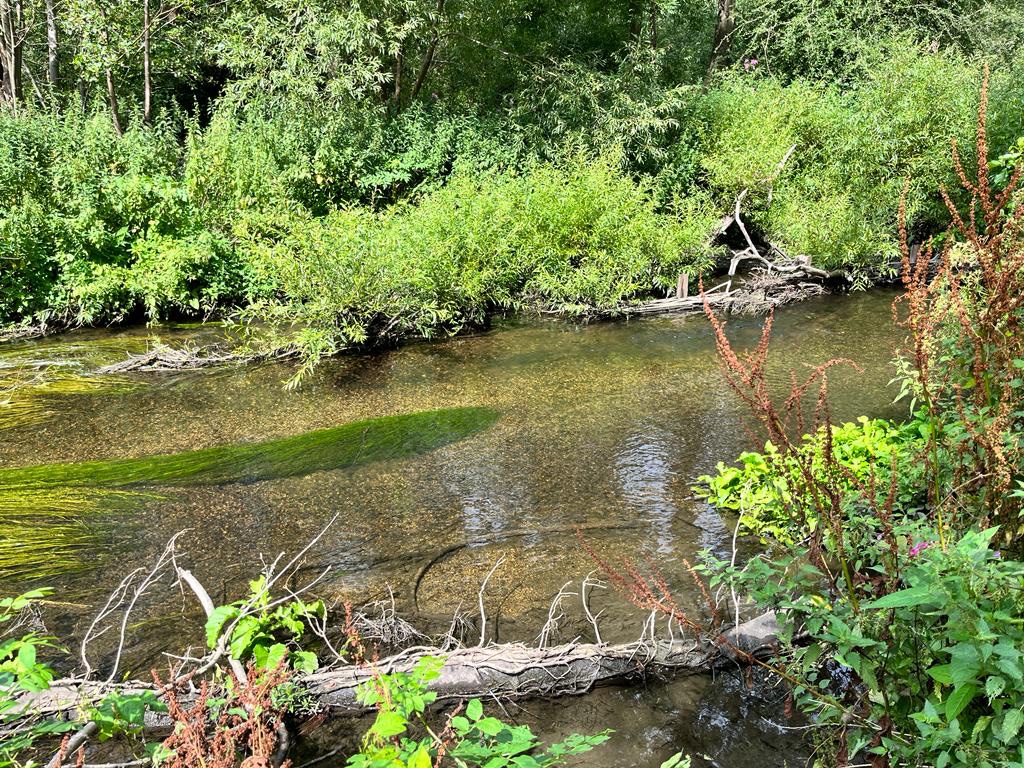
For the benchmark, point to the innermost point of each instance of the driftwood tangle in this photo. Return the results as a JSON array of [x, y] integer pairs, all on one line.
[[165, 358]]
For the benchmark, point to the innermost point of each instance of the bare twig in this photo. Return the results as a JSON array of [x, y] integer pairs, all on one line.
[[480, 600]]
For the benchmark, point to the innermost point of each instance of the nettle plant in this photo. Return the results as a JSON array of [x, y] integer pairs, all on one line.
[[265, 632], [400, 736], [929, 674]]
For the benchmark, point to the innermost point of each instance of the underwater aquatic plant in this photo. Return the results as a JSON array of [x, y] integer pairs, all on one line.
[[42, 508]]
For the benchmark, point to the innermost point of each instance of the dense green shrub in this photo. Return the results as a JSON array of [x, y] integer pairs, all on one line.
[[837, 195], [929, 674], [321, 159], [95, 224], [761, 488], [95, 228], [824, 39], [577, 239]]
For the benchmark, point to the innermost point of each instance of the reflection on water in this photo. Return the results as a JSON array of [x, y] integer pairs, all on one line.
[[643, 468], [602, 426]]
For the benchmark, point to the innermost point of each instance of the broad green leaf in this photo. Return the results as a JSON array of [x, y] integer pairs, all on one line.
[[1012, 722], [388, 724], [474, 710], [958, 700], [305, 661], [421, 759], [994, 686], [491, 726], [904, 598], [941, 673], [222, 615], [275, 654]]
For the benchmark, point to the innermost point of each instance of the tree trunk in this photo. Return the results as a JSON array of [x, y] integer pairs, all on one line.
[[11, 43], [653, 32], [509, 671], [115, 110], [636, 22], [428, 57], [52, 49], [147, 79], [396, 93], [725, 25]]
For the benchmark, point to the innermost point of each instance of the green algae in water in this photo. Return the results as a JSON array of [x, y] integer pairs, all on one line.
[[360, 442], [42, 507]]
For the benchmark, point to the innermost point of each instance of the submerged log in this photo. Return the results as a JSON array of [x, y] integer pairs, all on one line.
[[506, 671]]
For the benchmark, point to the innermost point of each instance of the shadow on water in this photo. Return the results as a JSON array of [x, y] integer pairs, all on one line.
[[38, 503]]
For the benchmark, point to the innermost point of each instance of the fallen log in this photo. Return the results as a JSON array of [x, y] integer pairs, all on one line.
[[506, 671], [515, 671], [24, 332]]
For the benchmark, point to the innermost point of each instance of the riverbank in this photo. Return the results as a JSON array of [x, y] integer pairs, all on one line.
[[244, 218]]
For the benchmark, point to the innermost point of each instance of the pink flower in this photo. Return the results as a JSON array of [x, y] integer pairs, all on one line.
[[920, 547]]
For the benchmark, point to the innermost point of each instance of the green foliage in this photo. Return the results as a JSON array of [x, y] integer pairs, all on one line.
[[123, 714], [824, 39], [939, 662], [760, 488], [22, 672], [575, 239], [97, 225], [914, 617], [401, 700], [265, 632], [837, 196]]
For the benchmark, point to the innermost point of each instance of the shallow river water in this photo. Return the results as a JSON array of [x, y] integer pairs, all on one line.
[[601, 426]]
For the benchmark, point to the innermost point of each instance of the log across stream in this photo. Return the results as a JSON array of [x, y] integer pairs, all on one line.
[[509, 671]]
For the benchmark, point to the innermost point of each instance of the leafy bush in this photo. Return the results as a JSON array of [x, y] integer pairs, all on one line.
[[932, 672], [263, 633], [468, 739], [576, 239], [824, 39], [837, 195], [21, 672], [761, 488], [320, 159]]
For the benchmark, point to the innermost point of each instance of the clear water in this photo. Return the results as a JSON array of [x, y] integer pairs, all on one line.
[[602, 426]]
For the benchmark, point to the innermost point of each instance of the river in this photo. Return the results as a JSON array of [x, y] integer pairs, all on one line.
[[603, 426]]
